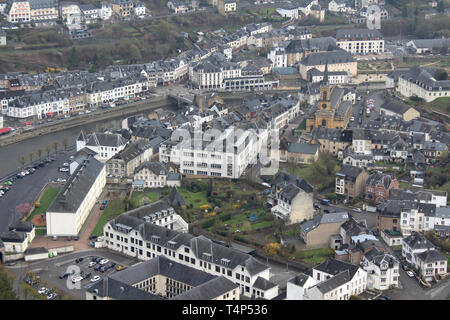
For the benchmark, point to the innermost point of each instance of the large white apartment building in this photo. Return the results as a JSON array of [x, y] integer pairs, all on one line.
[[413, 216], [145, 240], [420, 82], [73, 204], [357, 41], [228, 155], [18, 11]]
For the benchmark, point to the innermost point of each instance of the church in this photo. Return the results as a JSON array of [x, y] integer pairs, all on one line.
[[332, 110]]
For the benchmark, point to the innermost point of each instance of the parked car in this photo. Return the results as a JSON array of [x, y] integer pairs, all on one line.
[[52, 295], [77, 279], [410, 274], [357, 210], [120, 268], [43, 290], [95, 278], [63, 170], [97, 267], [78, 260], [91, 264], [405, 267], [87, 275], [384, 297], [104, 261], [64, 275]]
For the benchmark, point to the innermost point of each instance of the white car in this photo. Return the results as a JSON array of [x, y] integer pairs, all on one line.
[[91, 264], [61, 180], [95, 278], [104, 261], [63, 170], [410, 274], [77, 279], [357, 209], [43, 290]]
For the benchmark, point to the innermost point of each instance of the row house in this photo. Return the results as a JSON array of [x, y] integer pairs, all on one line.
[[424, 256], [413, 217], [378, 186], [330, 280], [123, 163], [351, 181], [382, 270]]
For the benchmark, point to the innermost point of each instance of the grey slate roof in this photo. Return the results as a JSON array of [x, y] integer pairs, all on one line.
[[299, 279], [334, 267], [430, 256], [330, 57], [77, 186], [417, 241], [209, 290], [334, 282], [358, 34], [157, 168], [333, 217], [263, 284], [305, 148]]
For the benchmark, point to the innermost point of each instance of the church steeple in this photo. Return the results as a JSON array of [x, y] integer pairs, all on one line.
[[325, 75]]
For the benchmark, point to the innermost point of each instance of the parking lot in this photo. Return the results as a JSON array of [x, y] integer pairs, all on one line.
[[27, 188], [50, 271]]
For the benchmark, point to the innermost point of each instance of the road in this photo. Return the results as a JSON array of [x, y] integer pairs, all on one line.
[[27, 188]]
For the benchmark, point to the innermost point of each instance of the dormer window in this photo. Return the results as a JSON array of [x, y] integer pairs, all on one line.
[[225, 261], [155, 238]]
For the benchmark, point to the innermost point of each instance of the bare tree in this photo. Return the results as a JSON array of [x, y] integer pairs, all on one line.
[[30, 155], [48, 149], [22, 160], [55, 146], [39, 152], [65, 143]]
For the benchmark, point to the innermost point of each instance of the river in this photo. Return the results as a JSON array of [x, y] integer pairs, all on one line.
[[10, 154]]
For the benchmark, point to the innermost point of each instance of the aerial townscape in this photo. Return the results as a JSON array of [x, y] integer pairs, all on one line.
[[224, 150]]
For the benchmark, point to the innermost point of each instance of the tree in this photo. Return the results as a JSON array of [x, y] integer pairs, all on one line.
[[55, 146], [23, 208], [6, 289], [22, 160], [271, 249], [30, 155], [65, 143], [440, 74], [39, 152], [73, 58], [48, 149]]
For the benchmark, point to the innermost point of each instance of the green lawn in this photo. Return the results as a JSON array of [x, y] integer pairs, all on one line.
[[191, 197], [46, 200], [314, 256], [140, 199], [403, 185], [113, 209]]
